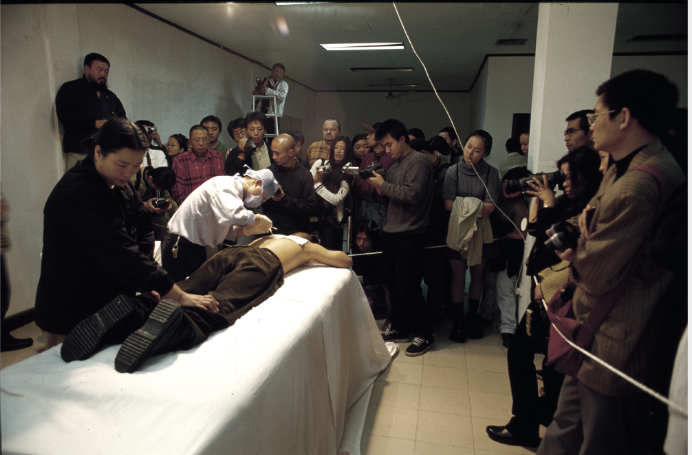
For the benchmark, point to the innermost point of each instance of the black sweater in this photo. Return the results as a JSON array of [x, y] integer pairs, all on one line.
[[97, 243], [292, 213]]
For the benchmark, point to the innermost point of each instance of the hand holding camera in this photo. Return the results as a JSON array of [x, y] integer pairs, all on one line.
[[541, 190]]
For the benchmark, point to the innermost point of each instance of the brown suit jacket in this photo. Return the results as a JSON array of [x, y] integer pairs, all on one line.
[[615, 252]]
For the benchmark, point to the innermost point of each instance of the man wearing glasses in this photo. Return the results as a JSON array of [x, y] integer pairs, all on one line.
[[577, 133], [599, 412]]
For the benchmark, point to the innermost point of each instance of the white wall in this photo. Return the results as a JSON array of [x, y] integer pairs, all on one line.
[[479, 95], [174, 81], [415, 110], [672, 66]]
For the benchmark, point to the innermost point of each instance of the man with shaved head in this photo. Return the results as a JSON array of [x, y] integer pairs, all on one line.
[[291, 207]]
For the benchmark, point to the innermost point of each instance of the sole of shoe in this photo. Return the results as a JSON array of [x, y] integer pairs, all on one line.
[[87, 337], [416, 354], [138, 346], [515, 442]]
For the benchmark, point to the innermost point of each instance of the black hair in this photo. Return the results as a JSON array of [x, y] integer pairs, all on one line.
[[359, 137], [583, 165], [280, 65], [415, 132], [182, 141], [211, 118], [233, 124], [297, 136], [256, 116], [487, 140], [650, 97], [583, 120], [163, 177], [513, 145], [522, 132], [198, 128], [89, 59], [117, 134], [334, 178], [394, 128], [371, 231], [449, 130]]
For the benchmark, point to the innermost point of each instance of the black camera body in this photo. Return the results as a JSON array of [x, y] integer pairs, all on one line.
[[250, 147], [513, 186], [563, 235], [368, 171], [260, 83], [160, 202]]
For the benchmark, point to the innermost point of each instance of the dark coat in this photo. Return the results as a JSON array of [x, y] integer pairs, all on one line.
[[292, 213], [78, 107], [97, 243]]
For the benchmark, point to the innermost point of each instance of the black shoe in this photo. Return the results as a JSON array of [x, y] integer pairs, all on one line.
[[10, 343], [501, 435], [150, 339], [421, 345], [458, 333], [507, 339], [473, 327], [397, 336], [86, 338]]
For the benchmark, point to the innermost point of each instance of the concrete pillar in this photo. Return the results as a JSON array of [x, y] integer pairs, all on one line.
[[574, 52]]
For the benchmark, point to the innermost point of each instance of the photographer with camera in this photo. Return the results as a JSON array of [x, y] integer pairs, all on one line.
[[332, 188], [580, 170], [152, 186], [276, 86], [155, 155], [252, 150]]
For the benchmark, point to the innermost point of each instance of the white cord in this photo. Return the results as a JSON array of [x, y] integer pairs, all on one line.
[[673, 406], [452, 121], [653, 393]]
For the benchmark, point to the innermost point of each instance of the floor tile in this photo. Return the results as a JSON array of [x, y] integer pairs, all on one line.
[[450, 378], [483, 442], [380, 445], [444, 429], [402, 372], [391, 422], [401, 357], [429, 448], [488, 381], [396, 394], [449, 401], [484, 348], [451, 357], [491, 405], [486, 362]]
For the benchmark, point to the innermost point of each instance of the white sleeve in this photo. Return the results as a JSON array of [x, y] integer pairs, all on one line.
[[281, 91], [333, 198], [228, 208], [313, 169], [158, 158]]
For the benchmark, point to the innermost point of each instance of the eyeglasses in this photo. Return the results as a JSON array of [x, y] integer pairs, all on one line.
[[571, 131], [592, 117]]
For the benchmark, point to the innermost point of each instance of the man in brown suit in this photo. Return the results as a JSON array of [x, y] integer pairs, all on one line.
[[598, 412]]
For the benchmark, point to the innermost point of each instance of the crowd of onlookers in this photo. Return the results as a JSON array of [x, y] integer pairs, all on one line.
[[413, 209]]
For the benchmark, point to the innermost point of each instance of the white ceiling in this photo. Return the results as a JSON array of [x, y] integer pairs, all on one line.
[[451, 38]]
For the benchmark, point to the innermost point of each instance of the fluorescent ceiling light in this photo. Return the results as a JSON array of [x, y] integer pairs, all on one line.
[[381, 69], [362, 46], [297, 3]]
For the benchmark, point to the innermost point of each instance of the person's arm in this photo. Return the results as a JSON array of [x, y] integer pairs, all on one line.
[[324, 256], [415, 183], [492, 194], [280, 92], [207, 302], [333, 198], [449, 190], [181, 177]]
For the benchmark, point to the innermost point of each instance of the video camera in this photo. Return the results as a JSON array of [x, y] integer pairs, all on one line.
[[436, 143], [326, 167], [553, 178], [160, 202], [349, 169], [250, 147]]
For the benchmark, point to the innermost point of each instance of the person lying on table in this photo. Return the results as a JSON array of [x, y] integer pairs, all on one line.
[[236, 279]]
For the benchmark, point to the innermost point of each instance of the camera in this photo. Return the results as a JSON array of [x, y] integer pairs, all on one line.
[[250, 147], [513, 186], [149, 129], [368, 171], [563, 235], [160, 202], [349, 169], [326, 167], [260, 83]]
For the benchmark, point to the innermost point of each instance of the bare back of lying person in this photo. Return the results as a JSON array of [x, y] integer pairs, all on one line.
[[238, 278]]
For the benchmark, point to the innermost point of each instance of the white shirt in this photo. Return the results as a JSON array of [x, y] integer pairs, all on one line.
[[280, 93], [213, 212], [158, 158]]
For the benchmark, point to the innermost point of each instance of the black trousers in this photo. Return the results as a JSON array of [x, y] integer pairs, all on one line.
[[402, 262], [239, 278], [529, 410], [190, 257]]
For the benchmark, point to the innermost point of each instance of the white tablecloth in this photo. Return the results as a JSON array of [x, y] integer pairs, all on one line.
[[294, 375]]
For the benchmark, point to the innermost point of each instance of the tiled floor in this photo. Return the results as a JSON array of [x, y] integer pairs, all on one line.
[[441, 402], [438, 403]]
